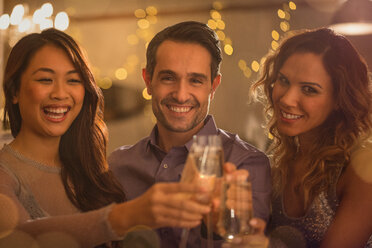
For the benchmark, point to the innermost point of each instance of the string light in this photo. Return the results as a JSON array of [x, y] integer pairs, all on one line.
[[284, 25]]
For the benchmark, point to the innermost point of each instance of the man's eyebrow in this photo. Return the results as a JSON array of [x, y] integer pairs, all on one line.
[[167, 72], [198, 75]]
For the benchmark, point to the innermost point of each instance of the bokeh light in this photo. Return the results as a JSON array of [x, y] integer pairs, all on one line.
[[143, 23], [17, 14], [275, 35], [220, 24], [24, 25], [274, 45], [47, 9], [217, 5], [105, 83], [4, 21], [284, 26], [247, 72], [221, 35], [212, 24], [255, 66], [281, 13], [140, 13], [121, 74], [292, 5], [61, 21], [215, 15], [151, 10], [242, 64], [145, 94], [228, 49]]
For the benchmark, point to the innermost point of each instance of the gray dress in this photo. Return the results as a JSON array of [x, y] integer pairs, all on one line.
[[308, 230]]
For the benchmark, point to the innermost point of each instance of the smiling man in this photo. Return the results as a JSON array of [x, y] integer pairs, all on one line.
[[182, 75]]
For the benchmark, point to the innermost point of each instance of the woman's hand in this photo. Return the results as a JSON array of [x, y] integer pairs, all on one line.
[[164, 204]]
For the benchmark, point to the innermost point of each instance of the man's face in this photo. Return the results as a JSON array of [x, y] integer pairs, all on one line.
[[181, 86]]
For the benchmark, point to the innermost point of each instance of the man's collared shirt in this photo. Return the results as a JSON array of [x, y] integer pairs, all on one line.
[[139, 166]]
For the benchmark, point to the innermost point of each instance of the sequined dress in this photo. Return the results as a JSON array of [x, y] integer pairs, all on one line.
[[308, 230]]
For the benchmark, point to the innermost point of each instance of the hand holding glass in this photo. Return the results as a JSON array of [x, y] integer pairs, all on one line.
[[203, 166]]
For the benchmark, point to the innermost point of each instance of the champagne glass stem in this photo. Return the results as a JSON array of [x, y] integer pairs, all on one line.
[[209, 231], [184, 237]]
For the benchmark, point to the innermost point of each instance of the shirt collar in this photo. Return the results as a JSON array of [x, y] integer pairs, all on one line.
[[209, 128]]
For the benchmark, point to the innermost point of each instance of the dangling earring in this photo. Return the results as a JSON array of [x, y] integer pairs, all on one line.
[[297, 143]]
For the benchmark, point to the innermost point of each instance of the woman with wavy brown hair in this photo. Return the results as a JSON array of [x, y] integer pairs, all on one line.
[[55, 168], [318, 101]]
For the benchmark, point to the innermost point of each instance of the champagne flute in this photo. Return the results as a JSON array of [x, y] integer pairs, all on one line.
[[203, 166], [236, 212]]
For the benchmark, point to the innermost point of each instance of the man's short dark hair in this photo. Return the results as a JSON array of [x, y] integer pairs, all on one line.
[[188, 32]]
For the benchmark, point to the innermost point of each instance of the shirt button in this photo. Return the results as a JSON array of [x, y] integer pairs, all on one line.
[[165, 166]]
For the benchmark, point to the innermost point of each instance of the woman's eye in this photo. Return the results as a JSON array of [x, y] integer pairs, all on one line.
[[44, 80], [283, 80], [74, 80], [309, 90]]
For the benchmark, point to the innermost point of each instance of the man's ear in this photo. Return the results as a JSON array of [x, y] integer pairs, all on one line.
[[215, 83], [147, 80]]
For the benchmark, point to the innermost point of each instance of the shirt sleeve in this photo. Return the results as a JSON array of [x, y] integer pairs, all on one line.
[[258, 166]]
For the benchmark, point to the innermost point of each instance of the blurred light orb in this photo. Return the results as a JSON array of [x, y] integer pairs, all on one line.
[[17, 14], [325, 5], [217, 5], [45, 24], [275, 35], [121, 74], [152, 19], [61, 21], [255, 66], [228, 49], [220, 24], [143, 23], [212, 24], [281, 13], [242, 64], [24, 25], [215, 15], [151, 10], [105, 83], [247, 72], [221, 35], [4, 21], [145, 94], [37, 17], [274, 45], [47, 9], [292, 5], [140, 13], [284, 26]]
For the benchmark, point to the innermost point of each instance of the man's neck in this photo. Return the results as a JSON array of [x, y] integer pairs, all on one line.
[[167, 139]]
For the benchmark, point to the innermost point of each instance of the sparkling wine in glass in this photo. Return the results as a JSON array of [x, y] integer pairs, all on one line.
[[203, 167]]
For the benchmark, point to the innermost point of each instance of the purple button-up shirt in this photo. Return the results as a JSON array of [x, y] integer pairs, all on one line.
[[139, 166]]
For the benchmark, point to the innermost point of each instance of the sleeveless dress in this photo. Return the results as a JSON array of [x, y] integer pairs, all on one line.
[[308, 230]]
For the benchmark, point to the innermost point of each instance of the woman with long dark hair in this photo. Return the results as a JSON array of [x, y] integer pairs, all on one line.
[[56, 165]]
